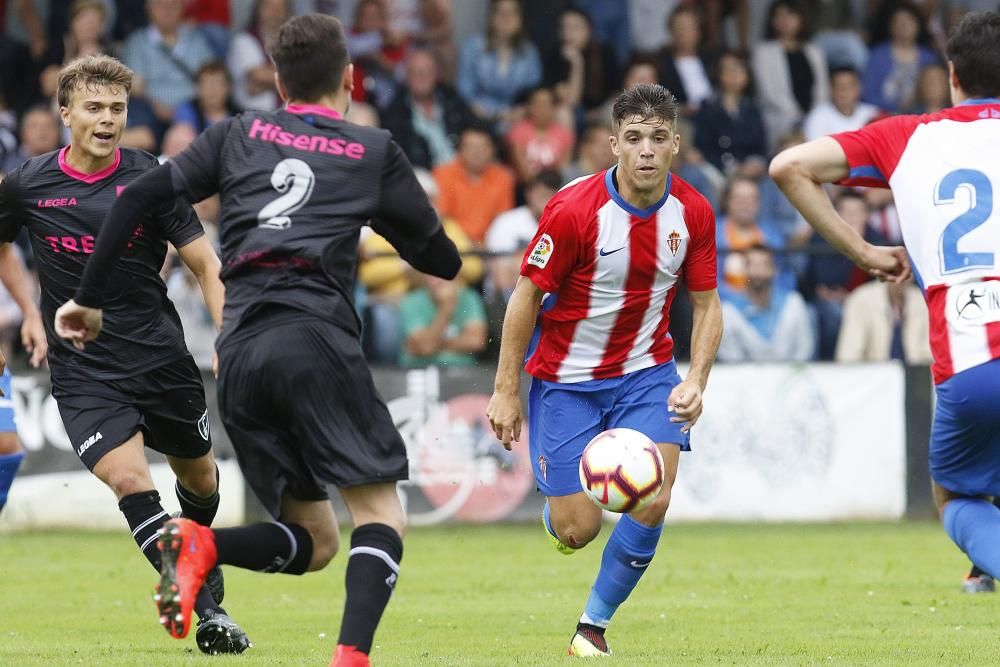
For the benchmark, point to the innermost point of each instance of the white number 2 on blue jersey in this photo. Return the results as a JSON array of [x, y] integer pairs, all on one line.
[[294, 180], [981, 198]]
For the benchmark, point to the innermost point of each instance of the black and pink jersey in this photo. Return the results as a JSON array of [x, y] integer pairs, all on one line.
[[296, 187], [62, 210]]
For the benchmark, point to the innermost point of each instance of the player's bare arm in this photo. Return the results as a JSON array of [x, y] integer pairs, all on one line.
[[504, 410], [16, 281], [685, 400], [200, 257], [800, 172]]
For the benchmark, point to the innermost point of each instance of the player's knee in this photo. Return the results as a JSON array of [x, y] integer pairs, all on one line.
[[9, 444], [201, 481], [326, 543], [654, 512], [575, 533]]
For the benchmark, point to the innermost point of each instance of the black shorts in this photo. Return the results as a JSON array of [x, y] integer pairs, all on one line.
[[299, 404], [167, 403]]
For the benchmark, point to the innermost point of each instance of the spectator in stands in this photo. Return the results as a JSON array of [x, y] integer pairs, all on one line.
[[165, 56], [933, 90], [729, 130], [386, 280], [495, 68], [795, 232], [684, 65], [790, 73], [691, 165], [250, 68], [510, 233], [363, 114], [829, 276], [719, 14], [378, 52], [640, 70], [213, 19], [582, 71], [649, 20], [883, 321], [740, 228], [611, 24], [18, 50], [444, 324], [84, 37], [426, 116], [474, 188], [836, 25], [39, 134], [901, 48], [539, 142], [593, 153], [213, 102], [8, 136], [437, 34], [767, 322], [844, 111]]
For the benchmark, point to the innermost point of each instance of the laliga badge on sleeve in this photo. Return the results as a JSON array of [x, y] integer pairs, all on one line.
[[542, 251]]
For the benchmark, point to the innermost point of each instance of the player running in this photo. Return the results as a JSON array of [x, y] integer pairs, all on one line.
[[138, 385], [15, 281], [943, 171], [297, 398], [603, 267]]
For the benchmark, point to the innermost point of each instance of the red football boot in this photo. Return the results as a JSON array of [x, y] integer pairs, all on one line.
[[348, 656], [188, 552]]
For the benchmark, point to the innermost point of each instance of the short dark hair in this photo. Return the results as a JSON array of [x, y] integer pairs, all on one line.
[[646, 101], [974, 50], [848, 194], [844, 69], [795, 7], [310, 54], [547, 178]]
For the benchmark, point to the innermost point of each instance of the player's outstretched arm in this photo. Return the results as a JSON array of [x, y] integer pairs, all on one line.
[[685, 401], [16, 281], [800, 172], [200, 257], [504, 410]]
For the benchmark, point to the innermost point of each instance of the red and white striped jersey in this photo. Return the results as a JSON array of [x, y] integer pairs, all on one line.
[[609, 271], [943, 169]]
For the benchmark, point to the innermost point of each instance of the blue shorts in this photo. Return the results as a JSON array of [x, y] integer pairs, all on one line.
[[564, 417], [7, 422], [965, 437]]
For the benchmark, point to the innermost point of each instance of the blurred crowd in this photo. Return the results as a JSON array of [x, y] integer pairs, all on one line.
[[499, 103]]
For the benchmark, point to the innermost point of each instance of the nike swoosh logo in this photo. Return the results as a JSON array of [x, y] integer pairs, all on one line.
[[636, 564], [610, 252]]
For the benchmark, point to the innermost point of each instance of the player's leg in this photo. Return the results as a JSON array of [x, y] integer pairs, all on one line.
[[11, 452], [965, 462], [372, 565], [640, 405], [197, 487], [562, 419], [977, 581]]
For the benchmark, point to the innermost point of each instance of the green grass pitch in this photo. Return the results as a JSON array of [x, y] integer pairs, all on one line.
[[882, 594]]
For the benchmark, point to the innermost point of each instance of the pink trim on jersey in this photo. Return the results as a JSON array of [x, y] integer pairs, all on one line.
[[313, 109], [88, 178]]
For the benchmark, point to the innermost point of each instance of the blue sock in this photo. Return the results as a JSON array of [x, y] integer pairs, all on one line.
[[9, 463], [629, 550], [974, 525]]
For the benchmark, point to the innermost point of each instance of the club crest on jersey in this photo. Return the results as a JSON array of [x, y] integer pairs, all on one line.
[[203, 427], [542, 251], [674, 242], [543, 467]]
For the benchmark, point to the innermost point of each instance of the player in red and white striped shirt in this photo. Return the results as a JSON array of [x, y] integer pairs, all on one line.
[[943, 171], [602, 269]]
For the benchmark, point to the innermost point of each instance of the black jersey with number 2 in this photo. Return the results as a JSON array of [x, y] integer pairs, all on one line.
[[297, 185], [63, 210]]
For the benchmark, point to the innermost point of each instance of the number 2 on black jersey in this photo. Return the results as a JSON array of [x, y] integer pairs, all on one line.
[[294, 180]]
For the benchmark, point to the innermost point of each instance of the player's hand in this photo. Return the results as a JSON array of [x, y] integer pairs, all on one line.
[[887, 263], [77, 323], [685, 402], [33, 339], [504, 413]]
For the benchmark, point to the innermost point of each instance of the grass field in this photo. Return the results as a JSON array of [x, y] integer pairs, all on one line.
[[717, 594]]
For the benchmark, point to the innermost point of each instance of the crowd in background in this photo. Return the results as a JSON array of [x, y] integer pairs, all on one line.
[[499, 103]]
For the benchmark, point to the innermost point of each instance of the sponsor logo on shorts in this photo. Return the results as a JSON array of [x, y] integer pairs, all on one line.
[[90, 442], [203, 427], [542, 251]]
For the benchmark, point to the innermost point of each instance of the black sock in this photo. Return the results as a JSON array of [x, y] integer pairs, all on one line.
[[145, 516], [372, 570], [198, 508], [265, 547]]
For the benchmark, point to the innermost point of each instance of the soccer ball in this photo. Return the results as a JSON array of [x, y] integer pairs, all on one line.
[[621, 470]]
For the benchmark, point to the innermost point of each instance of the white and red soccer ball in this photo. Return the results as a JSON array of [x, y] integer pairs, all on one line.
[[621, 470]]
